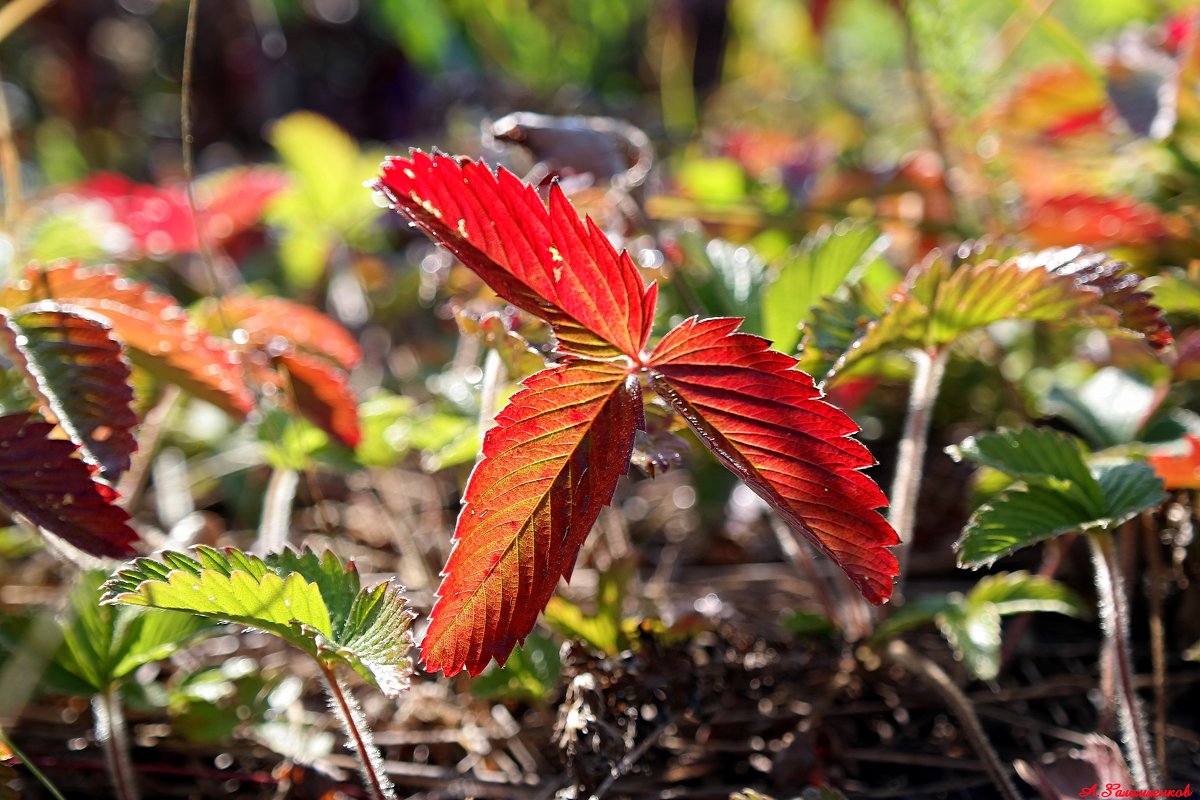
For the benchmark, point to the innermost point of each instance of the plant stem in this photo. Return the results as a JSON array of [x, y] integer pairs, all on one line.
[[1114, 619], [276, 519], [29, 765], [1158, 652], [114, 738], [359, 734], [933, 675], [910, 459]]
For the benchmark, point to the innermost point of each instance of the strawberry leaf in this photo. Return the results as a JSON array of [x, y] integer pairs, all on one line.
[[1057, 492], [1178, 470], [1095, 221], [549, 465], [311, 601], [102, 644], [273, 324], [73, 363], [322, 395], [766, 422], [940, 302], [40, 480], [159, 336], [544, 260], [823, 262]]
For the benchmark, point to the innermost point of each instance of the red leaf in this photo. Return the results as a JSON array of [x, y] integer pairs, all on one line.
[[549, 466], [159, 218], [158, 333], [71, 360], [766, 422], [545, 261], [41, 481], [322, 395], [1094, 221], [274, 324], [1178, 471]]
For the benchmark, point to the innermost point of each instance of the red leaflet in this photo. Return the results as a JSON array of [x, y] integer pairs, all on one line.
[[159, 219], [274, 324], [549, 466], [311, 352], [767, 423], [1178, 471], [72, 362], [40, 480], [546, 261], [158, 333], [321, 393], [1094, 221]]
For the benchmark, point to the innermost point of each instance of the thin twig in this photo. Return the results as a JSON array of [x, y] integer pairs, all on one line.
[[963, 213], [10, 165], [154, 425], [631, 758], [29, 765], [933, 675], [222, 280], [15, 13]]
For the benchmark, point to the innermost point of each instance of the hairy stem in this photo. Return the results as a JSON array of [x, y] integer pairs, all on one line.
[[1114, 619], [494, 376], [276, 520], [906, 485], [359, 734], [1158, 648], [936, 678], [113, 736]]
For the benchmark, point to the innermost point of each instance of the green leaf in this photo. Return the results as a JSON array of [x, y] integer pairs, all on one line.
[[102, 644], [835, 323], [530, 674], [602, 630], [1034, 455], [821, 264], [945, 298], [971, 623], [325, 203], [1109, 408], [311, 601], [1024, 593], [1176, 291], [913, 614], [974, 634], [1057, 493]]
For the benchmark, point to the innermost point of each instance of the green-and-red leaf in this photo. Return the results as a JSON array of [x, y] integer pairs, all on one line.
[[941, 301], [549, 466], [157, 332], [41, 480], [766, 421], [72, 362], [546, 261]]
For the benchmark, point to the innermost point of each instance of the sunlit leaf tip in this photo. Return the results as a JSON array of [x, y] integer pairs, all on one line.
[[542, 258]]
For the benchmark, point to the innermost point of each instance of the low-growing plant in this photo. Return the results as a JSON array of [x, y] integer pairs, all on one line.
[[311, 601]]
